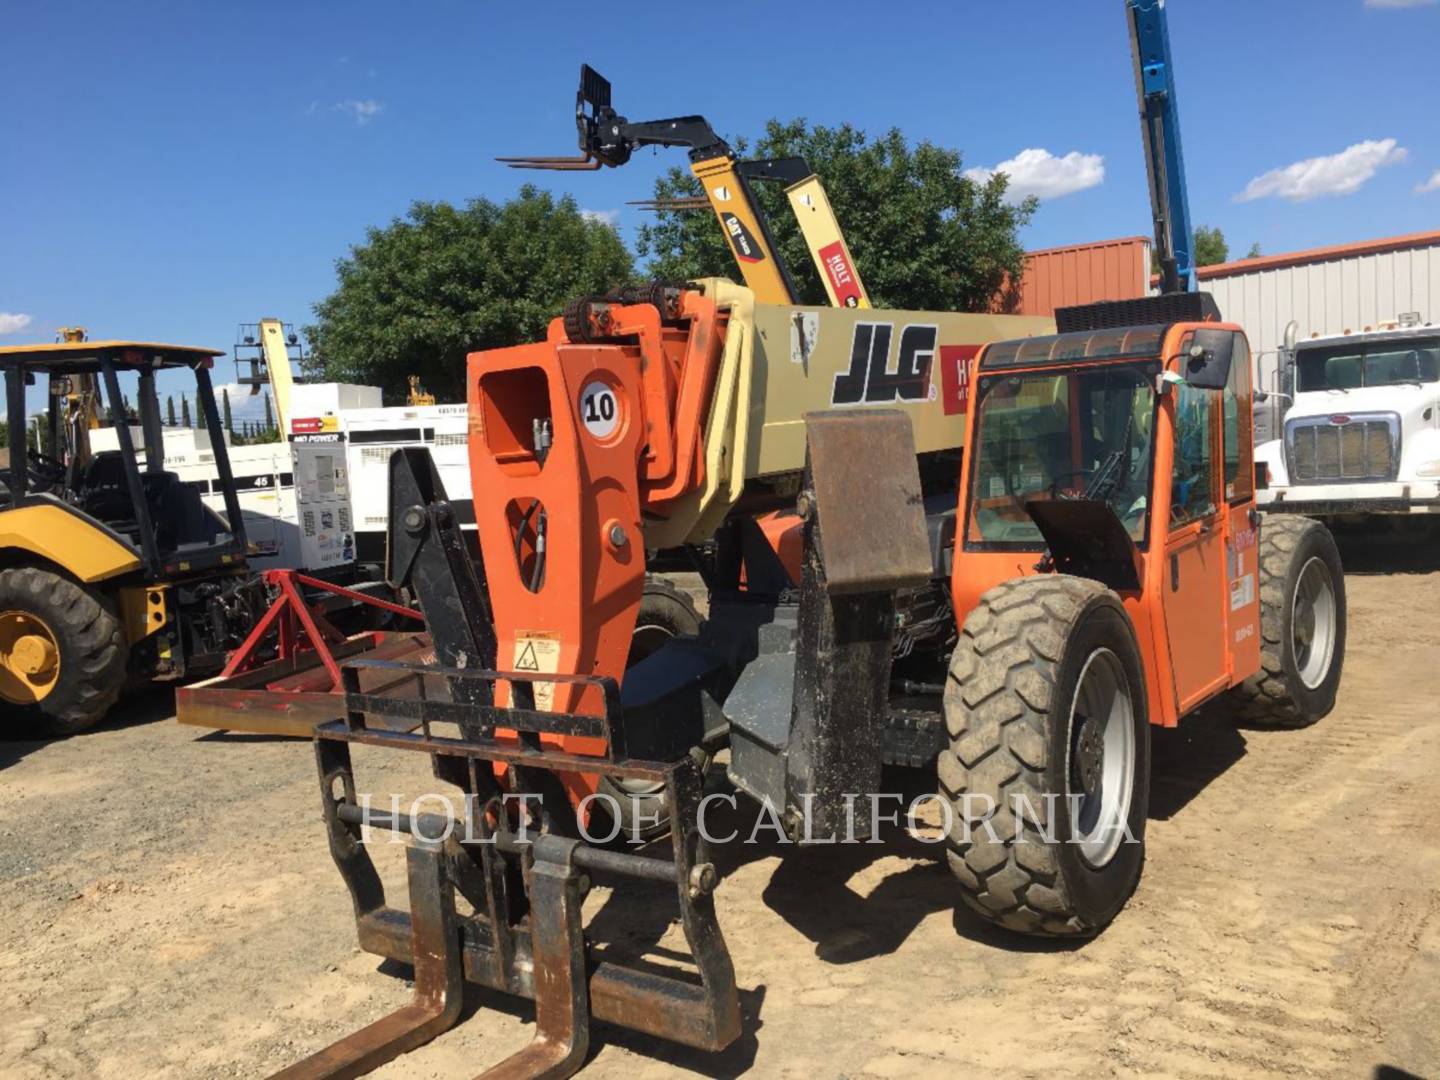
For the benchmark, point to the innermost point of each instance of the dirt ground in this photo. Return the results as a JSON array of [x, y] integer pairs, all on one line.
[[171, 910]]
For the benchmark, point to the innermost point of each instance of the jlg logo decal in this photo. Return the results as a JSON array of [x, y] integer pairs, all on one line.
[[745, 246], [871, 381]]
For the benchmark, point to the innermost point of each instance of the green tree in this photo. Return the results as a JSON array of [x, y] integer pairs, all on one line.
[[269, 415], [170, 409], [446, 280], [185, 412], [226, 418], [1210, 246], [923, 235], [1254, 252]]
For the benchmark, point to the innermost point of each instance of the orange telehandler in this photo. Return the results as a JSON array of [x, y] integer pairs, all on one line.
[[1017, 617], [1096, 566]]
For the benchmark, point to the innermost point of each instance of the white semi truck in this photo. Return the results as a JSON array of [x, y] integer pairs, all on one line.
[[1361, 435]]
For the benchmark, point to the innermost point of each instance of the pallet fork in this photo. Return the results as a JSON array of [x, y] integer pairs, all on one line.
[[523, 882]]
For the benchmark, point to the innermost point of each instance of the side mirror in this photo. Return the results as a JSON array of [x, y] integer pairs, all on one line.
[[1206, 365]]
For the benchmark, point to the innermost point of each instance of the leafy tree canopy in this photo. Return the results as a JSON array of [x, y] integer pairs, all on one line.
[[922, 234], [446, 280], [1210, 246]]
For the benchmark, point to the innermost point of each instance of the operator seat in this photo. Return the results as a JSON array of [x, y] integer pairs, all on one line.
[[103, 493], [177, 512], [180, 515]]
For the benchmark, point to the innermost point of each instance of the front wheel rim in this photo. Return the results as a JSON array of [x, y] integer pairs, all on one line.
[[1313, 623], [1100, 758], [29, 658]]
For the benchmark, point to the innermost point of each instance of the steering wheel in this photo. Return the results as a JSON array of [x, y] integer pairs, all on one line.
[[1055, 483], [45, 472], [52, 470]]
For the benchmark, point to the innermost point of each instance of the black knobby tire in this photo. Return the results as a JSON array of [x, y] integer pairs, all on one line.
[[665, 613], [1292, 547], [1009, 700], [90, 642]]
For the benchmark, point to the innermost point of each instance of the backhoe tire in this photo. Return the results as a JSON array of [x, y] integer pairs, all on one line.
[[1047, 771], [1302, 626], [665, 613], [85, 670]]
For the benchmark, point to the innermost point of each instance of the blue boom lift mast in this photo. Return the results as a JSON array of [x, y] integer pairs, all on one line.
[[1164, 160]]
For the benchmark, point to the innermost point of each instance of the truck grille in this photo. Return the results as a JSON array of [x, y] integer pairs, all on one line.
[[1327, 449]]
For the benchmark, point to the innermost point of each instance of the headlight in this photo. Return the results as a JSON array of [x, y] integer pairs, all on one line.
[[1428, 468]]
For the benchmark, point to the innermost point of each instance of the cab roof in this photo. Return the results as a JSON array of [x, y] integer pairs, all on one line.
[[1076, 346], [84, 356], [1389, 331]]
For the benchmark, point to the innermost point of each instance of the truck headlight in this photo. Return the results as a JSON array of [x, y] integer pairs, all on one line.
[[1428, 468]]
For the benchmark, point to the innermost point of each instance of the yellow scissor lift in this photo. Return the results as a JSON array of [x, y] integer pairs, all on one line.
[[606, 138]]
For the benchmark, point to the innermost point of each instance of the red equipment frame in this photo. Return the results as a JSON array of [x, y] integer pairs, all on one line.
[[298, 687]]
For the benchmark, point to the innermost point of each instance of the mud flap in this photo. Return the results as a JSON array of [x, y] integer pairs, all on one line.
[[864, 537]]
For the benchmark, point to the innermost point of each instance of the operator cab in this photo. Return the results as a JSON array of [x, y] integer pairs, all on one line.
[[1081, 431], [1123, 454], [127, 491]]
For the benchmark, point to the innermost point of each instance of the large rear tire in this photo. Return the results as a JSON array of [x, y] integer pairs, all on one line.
[[1302, 626], [63, 662], [1045, 708]]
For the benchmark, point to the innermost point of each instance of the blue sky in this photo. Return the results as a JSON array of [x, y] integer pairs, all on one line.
[[173, 169]]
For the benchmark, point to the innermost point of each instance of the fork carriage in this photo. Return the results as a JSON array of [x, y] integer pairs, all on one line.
[[525, 887]]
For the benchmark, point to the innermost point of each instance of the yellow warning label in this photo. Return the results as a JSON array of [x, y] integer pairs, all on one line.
[[538, 651]]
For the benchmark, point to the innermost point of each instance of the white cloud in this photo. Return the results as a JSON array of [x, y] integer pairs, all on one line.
[[1039, 172], [363, 111], [1433, 184], [13, 324], [604, 217], [1397, 3], [1336, 174]]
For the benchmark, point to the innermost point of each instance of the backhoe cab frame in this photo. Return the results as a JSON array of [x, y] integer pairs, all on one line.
[[171, 570], [65, 361]]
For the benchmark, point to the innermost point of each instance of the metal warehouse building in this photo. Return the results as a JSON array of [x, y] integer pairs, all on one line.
[[1326, 291]]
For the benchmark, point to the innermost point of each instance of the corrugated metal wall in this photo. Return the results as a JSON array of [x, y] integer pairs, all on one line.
[[1081, 274], [1326, 297]]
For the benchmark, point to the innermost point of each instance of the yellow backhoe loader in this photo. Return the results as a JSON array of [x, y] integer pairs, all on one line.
[[111, 569]]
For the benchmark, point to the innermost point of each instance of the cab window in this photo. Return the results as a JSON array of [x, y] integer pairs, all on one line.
[[1239, 436], [1192, 482]]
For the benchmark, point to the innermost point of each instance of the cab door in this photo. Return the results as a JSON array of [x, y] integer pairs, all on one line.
[[1194, 586]]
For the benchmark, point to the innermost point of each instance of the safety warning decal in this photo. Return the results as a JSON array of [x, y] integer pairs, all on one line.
[[1242, 591], [538, 651]]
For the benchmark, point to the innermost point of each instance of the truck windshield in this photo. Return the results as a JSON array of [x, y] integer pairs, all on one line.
[[1372, 363], [1077, 435]]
